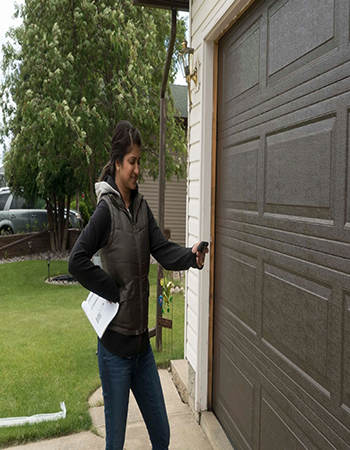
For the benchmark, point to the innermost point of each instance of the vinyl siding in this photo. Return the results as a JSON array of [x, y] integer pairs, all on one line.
[[175, 205]]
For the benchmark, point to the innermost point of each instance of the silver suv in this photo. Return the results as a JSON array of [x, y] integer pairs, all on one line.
[[17, 215]]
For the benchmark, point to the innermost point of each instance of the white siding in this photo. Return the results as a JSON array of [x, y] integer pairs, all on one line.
[[195, 133], [208, 20], [195, 152], [193, 190]]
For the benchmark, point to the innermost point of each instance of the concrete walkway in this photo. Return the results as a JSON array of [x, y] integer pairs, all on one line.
[[184, 429]]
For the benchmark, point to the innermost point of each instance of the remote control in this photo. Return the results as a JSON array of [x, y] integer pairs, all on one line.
[[202, 246]]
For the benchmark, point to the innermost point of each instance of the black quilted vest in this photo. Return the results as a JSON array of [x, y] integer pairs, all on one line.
[[126, 258]]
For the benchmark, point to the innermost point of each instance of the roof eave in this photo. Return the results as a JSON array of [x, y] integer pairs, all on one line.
[[181, 5]]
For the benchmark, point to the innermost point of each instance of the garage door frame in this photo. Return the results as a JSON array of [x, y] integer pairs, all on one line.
[[247, 5]]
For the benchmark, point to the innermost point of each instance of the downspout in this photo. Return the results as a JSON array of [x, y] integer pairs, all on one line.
[[162, 145], [170, 52]]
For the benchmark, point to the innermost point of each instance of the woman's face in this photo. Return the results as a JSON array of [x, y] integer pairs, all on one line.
[[127, 173]]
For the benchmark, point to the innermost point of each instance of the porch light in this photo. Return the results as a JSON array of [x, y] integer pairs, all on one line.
[[48, 268], [188, 71]]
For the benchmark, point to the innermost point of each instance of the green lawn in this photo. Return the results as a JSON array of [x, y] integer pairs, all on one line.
[[47, 351], [176, 350]]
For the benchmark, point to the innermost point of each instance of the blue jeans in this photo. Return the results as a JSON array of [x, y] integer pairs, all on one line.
[[140, 374]]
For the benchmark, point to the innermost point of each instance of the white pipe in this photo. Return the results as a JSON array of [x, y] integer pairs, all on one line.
[[14, 421]]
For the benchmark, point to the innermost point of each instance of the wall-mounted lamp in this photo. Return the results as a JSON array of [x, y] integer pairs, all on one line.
[[186, 63]]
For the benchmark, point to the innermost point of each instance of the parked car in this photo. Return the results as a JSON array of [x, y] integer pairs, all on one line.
[[17, 215]]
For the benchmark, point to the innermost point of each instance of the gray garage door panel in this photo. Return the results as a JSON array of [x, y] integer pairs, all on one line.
[[278, 310], [282, 266]]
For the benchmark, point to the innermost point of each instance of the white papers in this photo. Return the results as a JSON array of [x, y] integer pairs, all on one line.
[[99, 311], [14, 421]]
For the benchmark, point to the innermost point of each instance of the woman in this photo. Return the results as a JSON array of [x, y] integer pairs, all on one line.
[[125, 232]]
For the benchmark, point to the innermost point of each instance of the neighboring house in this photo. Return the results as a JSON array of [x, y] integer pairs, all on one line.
[[175, 190], [2, 177], [268, 319]]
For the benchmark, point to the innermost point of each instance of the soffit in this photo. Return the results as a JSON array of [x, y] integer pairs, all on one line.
[[182, 5]]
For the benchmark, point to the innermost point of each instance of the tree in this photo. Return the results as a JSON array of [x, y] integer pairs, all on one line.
[[78, 67]]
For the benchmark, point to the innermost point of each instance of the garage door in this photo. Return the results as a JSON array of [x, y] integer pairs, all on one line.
[[282, 268]]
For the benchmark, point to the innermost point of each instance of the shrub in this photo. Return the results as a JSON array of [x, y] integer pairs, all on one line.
[[83, 211]]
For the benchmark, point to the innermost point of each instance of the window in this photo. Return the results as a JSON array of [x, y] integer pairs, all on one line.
[[3, 200], [18, 203], [39, 204]]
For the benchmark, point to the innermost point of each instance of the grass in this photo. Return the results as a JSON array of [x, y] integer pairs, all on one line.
[[47, 351], [173, 340]]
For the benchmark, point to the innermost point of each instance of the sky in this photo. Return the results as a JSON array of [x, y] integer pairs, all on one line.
[[7, 9]]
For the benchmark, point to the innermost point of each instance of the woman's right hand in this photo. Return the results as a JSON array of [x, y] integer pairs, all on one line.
[[200, 256]]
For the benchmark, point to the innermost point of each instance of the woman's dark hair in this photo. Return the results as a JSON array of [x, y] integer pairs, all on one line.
[[125, 136]]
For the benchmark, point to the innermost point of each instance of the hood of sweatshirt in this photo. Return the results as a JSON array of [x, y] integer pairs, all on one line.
[[108, 186], [103, 187]]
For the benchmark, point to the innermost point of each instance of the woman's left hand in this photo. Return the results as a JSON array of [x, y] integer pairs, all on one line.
[[200, 256]]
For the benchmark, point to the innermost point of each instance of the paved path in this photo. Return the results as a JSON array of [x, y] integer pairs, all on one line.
[[184, 429]]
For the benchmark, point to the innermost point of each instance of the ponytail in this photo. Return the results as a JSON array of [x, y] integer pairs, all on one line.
[[109, 169]]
